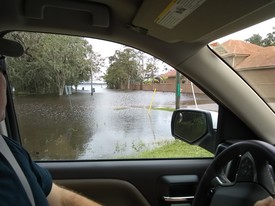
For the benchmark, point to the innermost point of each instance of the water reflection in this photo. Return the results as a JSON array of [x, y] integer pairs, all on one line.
[[108, 124]]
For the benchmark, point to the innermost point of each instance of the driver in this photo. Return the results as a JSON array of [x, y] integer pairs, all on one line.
[[45, 192]]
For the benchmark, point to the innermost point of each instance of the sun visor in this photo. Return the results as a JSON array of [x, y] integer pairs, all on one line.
[[10, 48], [197, 20]]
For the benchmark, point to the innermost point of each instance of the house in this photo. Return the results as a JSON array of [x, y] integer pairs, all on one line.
[[254, 63], [185, 84], [167, 83]]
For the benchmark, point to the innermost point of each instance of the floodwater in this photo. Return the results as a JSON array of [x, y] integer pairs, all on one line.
[[108, 124]]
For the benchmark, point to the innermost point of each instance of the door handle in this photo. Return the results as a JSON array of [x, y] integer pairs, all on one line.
[[178, 199]]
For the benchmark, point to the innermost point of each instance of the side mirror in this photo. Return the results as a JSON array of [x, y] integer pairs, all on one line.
[[195, 126]]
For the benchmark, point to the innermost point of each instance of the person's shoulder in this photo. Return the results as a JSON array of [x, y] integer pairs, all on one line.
[[13, 145]]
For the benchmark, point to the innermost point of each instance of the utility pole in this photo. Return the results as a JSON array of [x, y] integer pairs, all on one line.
[[177, 90]]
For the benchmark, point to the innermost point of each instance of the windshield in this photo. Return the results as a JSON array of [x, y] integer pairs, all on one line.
[[251, 53]]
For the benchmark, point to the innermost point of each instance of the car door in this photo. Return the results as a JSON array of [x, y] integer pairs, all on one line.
[[132, 182]]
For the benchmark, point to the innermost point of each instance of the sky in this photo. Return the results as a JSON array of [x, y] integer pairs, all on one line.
[[263, 29], [104, 48]]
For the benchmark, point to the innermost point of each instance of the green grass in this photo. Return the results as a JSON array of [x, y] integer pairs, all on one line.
[[174, 149]]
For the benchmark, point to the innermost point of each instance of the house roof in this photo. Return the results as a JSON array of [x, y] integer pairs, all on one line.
[[254, 56], [240, 47], [263, 58], [257, 56]]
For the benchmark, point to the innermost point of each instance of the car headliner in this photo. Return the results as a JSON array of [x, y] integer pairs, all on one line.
[[134, 23]]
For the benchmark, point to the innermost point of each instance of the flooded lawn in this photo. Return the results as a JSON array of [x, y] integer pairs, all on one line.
[[107, 124]]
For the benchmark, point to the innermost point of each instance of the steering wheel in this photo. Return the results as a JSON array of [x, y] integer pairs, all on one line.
[[239, 176]]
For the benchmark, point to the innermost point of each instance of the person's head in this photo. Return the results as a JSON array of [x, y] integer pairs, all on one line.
[[3, 97]]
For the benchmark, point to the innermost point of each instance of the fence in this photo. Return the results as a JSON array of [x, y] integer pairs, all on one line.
[[166, 87]]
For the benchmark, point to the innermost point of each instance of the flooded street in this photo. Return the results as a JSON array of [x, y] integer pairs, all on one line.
[[108, 124]]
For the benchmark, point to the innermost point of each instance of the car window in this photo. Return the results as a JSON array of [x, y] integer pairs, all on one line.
[[79, 98], [251, 53]]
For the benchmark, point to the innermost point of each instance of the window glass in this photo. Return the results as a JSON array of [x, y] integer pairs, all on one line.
[[75, 99], [251, 53]]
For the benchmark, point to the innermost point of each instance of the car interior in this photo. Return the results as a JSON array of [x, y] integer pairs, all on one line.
[[178, 32]]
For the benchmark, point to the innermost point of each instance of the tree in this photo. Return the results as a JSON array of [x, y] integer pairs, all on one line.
[[123, 69], [25, 72], [141, 66], [50, 62], [258, 40], [85, 60], [69, 60], [270, 39], [147, 66], [96, 62], [151, 69], [115, 77], [255, 39]]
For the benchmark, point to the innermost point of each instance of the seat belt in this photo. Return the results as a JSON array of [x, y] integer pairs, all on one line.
[[5, 150]]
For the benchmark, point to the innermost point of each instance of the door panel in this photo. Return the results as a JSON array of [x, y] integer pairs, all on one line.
[[130, 182], [106, 191]]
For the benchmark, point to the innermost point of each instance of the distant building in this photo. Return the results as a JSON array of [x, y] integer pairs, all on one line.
[[167, 83], [185, 84]]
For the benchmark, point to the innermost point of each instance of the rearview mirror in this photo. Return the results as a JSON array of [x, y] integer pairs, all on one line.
[[192, 125]]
